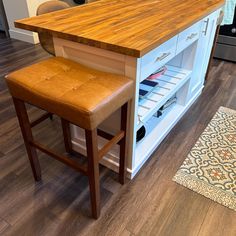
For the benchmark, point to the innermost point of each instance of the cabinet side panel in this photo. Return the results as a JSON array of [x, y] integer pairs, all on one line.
[[110, 62]]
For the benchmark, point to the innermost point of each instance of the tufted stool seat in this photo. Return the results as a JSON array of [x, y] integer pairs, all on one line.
[[79, 95]]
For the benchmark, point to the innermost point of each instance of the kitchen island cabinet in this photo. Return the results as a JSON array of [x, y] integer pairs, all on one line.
[[136, 38]]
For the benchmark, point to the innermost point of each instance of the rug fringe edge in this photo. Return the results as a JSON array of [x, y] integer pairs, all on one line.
[[226, 109]]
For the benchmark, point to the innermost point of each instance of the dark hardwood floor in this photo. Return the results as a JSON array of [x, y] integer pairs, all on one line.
[[150, 204]]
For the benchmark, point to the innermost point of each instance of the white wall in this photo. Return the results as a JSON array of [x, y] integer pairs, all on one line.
[[18, 9]]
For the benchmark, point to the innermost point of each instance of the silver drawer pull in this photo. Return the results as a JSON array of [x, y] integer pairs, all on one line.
[[191, 36], [207, 24], [163, 56]]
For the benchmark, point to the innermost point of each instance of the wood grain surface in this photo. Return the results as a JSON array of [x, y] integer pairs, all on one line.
[[130, 27]]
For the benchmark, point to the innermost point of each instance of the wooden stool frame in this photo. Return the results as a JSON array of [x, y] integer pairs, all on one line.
[[91, 169]]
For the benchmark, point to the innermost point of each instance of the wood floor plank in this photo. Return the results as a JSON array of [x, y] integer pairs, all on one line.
[[218, 222], [126, 233], [3, 226]]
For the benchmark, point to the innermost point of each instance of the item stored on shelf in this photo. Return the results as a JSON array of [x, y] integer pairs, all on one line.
[[146, 87], [166, 105], [157, 74], [140, 133]]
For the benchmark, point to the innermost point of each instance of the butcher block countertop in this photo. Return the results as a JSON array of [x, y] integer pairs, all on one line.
[[129, 27]]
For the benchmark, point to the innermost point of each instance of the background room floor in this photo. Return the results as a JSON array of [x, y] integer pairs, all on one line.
[[150, 204]]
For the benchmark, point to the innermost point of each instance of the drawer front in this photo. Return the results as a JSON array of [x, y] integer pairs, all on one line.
[[188, 36], [158, 57]]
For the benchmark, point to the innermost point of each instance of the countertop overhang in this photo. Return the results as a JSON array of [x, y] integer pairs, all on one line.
[[129, 27]]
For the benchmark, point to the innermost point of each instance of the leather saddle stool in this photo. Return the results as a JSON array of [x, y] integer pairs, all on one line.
[[81, 96]]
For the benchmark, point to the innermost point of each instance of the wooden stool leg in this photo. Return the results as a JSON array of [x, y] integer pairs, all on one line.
[[93, 170], [123, 145], [67, 135], [28, 137]]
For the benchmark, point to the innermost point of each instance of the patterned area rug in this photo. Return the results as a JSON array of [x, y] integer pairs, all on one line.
[[210, 168]]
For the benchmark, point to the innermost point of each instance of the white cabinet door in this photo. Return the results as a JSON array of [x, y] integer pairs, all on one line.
[[204, 47]]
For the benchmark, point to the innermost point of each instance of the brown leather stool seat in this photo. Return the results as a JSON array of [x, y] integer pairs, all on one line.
[[74, 92], [79, 95]]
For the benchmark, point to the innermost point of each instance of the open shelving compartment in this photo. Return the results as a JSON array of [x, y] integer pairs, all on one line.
[[168, 84], [174, 82]]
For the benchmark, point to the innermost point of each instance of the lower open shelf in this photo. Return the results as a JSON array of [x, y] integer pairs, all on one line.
[[156, 130]]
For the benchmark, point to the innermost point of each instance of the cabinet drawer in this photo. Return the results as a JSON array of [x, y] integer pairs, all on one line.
[[157, 57], [187, 37]]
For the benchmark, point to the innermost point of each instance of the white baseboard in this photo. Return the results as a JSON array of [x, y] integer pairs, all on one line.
[[24, 36]]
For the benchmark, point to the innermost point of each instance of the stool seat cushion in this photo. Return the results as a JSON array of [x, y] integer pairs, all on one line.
[[79, 94]]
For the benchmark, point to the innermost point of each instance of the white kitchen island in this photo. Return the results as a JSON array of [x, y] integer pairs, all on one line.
[[185, 51]]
